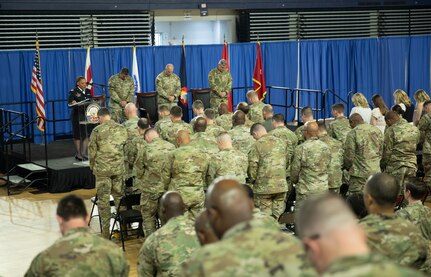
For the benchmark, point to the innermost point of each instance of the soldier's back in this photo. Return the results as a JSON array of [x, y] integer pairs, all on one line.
[[414, 212], [336, 151], [189, 167], [170, 130], [255, 113], [241, 138], [205, 142], [339, 128], [164, 251], [80, 253], [228, 162], [159, 124], [224, 121], [425, 129], [396, 238], [248, 249], [214, 130], [131, 123]]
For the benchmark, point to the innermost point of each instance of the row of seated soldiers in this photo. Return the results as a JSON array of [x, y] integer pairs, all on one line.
[[229, 239]]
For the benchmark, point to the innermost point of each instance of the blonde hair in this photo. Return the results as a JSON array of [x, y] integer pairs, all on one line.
[[421, 96], [402, 97], [359, 100]]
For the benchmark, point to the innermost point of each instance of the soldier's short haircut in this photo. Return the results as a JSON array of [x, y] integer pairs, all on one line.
[[163, 108], [279, 118], [224, 137], [103, 112], [322, 126], [71, 206], [200, 125], [143, 123], [426, 103], [418, 190], [307, 111], [210, 113], [249, 191], [323, 213], [176, 111], [222, 62], [339, 107], [244, 107], [149, 131], [251, 94], [238, 118], [79, 78], [356, 203], [383, 188], [223, 108], [391, 115], [198, 105], [124, 71], [256, 127], [267, 108]]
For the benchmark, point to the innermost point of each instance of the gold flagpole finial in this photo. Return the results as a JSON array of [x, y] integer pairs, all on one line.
[[182, 41]]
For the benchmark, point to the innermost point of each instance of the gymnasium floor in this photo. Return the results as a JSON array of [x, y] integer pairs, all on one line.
[[28, 225]]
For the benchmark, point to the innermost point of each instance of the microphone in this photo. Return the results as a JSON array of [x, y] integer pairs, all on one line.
[[95, 84]]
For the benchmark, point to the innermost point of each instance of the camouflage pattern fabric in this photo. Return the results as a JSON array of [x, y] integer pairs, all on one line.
[[170, 129], [288, 137], [206, 143], [249, 249], [273, 204], [416, 213], [266, 219], [164, 251], [106, 156], [299, 132], [339, 128], [131, 123], [167, 86], [424, 127], [268, 125], [219, 82], [335, 173], [130, 150], [399, 150], [241, 138], [228, 162], [120, 90], [255, 113], [80, 253], [224, 121], [159, 124], [214, 130], [309, 169], [395, 238], [362, 152], [367, 266], [188, 172], [192, 122], [153, 165]]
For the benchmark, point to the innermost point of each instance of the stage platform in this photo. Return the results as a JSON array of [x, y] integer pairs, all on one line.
[[64, 171]]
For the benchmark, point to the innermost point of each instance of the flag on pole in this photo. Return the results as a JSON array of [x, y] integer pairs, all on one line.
[[258, 75], [183, 103], [88, 74], [36, 87], [135, 72], [225, 56]]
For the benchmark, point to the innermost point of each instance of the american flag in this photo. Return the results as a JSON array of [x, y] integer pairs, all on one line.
[[36, 87]]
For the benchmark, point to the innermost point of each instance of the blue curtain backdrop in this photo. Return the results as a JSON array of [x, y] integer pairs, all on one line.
[[372, 65]]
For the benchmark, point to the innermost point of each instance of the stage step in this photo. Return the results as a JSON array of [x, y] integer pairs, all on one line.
[[32, 167], [15, 179]]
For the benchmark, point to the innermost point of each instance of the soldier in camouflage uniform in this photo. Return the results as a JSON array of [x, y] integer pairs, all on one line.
[[362, 152], [220, 82], [79, 252], [198, 111], [164, 117], [189, 167], [245, 108], [169, 130], [212, 129], [396, 238], [130, 151], [106, 153], [153, 171], [132, 116], [168, 87], [268, 161], [335, 173], [228, 162], [256, 106], [164, 251], [399, 148], [202, 140], [415, 211], [247, 247], [340, 127], [267, 113], [121, 89], [306, 116], [424, 127], [240, 134], [224, 119], [203, 229], [336, 245], [310, 165]]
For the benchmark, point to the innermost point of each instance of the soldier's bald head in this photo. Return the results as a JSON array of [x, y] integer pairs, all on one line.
[[228, 204], [355, 119], [183, 137], [224, 141], [203, 229], [311, 129], [150, 134], [172, 205], [380, 190], [257, 130]]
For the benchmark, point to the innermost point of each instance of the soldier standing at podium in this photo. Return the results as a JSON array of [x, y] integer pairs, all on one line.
[[168, 87], [121, 89], [80, 134], [220, 82]]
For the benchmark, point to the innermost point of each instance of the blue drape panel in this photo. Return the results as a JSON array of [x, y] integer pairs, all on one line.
[[372, 65]]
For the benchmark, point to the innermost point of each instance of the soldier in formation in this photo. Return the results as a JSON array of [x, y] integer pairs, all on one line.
[[168, 87], [121, 90], [220, 83]]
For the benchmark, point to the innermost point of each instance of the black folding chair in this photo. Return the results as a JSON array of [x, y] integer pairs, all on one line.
[[94, 201], [126, 215]]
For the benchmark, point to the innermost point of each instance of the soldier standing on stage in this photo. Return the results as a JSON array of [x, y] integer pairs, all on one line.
[[220, 82], [168, 87], [121, 89]]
